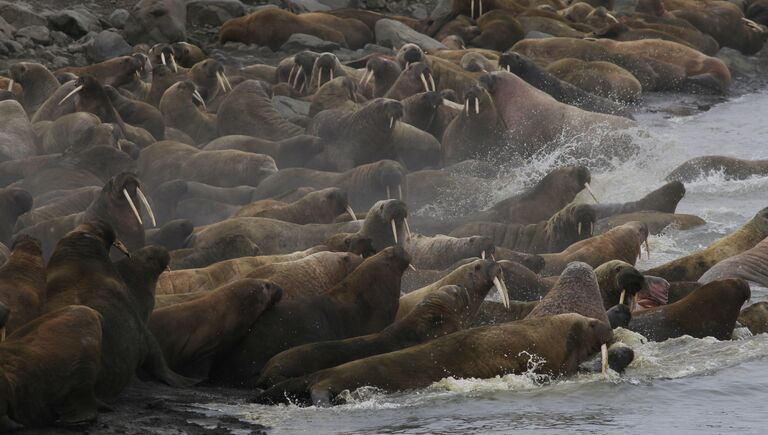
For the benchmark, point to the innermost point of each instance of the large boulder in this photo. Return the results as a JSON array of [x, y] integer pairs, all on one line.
[[74, 22], [213, 12], [154, 21], [298, 6], [106, 45], [302, 41], [391, 33], [40, 35], [19, 15]]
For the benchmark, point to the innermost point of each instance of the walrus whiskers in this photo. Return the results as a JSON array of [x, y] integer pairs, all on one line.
[[589, 189], [144, 201], [133, 206], [74, 91]]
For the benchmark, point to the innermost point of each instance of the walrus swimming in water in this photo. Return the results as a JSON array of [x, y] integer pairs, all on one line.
[[751, 265], [450, 309], [80, 272], [576, 291], [657, 221], [710, 311], [560, 342], [693, 266], [363, 303], [731, 168], [663, 199], [48, 369], [22, 282]]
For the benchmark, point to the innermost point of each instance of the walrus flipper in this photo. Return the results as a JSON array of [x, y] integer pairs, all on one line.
[[79, 408], [155, 366]]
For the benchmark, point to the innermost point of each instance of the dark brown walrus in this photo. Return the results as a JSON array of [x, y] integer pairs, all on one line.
[[561, 342], [710, 311], [48, 369], [193, 334], [80, 272], [364, 303], [22, 282], [450, 309]]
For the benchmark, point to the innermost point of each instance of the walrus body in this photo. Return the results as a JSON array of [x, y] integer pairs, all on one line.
[[562, 342], [749, 265], [731, 168], [22, 282], [710, 311]]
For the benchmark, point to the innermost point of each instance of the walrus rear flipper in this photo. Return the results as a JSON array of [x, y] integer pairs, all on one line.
[[155, 366], [79, 408]]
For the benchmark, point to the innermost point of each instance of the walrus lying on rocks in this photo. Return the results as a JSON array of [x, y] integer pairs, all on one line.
[[22, 283]]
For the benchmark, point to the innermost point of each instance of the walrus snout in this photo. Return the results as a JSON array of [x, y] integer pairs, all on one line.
[[411, 53], [630, 280]]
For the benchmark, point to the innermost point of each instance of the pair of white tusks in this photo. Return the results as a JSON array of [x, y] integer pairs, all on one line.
[[173, 61], [477, 106], [10, 85], [633, 302], [223, 81], [508, 69], [74, 91], [427, 87], [366, 77], [752, 24], [473, 8], [293, 80], [320, 76], [590, 229], [589, 189], [144, 201], [394, 229], [196, 95], [503, 292], [399, 192]]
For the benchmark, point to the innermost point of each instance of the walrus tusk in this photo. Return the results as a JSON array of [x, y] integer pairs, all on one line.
[[221, 82], [623, 295], [482, 255], [407, 228], [591, 229], [502, 288], [633, 304], [330, 71], [121, 247], [477, 105], [578, 230], [196, 95], [424, 82], [74, 91], [226, 80], [466, 106], [388, 195], [351, 213], [367, 77], [10, 85], [394, 230], [432, 82], [452, 104], [290, 74], [472, 9], [412, 267], [162, 58], [509, 70], [752, 24], [481, 9], [400, 192], [133, 206], [173, 63], [138, 76], [604, 358], [589, 189], [391, 121], [295, 81], [144, 201]]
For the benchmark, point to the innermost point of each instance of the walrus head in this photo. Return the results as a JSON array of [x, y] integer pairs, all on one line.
[[384, 71], [299, 76], [515, 63], [332, 199], [573, 223], [386, 223], [187, 54], [123, 193], [188, 91], [474, 62], [351, 242], [415, 78], [479, 276], [102, 231], [209, 74], [664, 199], [408, 54], [389, 176], [566, 182], [477, 99], [323, 70], [383, 113], [619, 282], [445, 311], [651, 7], [28, 244]]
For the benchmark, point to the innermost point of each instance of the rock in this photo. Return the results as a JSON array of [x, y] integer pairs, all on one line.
[[738, 63], [20, 16], [534, 34], [624, 6], [106, 45], [6, 29], [118, 17], [442, 9], [76, 23], [418, 11], [154, 21], [213, 12], [302, 41], [290, 107], [37, 34], [391, 33], [60, 38], [59, 62], [299, 6]]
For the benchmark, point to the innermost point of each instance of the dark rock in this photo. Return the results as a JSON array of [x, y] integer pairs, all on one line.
[[322, 5], [391, 33], [106, 45], [301, 41], [153, 21], [76, 23], [213, 12], [37, 34], [118, 17], [19, 15], [5, 28]]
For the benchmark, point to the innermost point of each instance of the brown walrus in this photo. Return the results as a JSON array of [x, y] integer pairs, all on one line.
[[710, 311], [621, 243], [365, 302], [80, 272], [439, 252], [657, 221], [190, 345], [755, 317], [318, 207], [732, 168], [450, 309], [572, 224], [22, 282], [693, 266], [48, 369], [663, 199], [561, 342], [750, 265], [576, 291]]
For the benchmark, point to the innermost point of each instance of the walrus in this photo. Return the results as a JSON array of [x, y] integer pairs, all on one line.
[[620, 280], [710, 311], [542, 120], [189, 345], [450, 309], [380, 74], [119, 203], [48, 369], [17, 138], [663, 199], [248, 110], [13, 203], [560, 342], [416, 77], [38, 84], [422, 111], [80, 272], [272, 27], [479, 273], [78, 131], [601, 78], [318, 207], [730, 167], [339, 93], [180, 108], [693, 266], [288, 153], [22, 283], [657, 221], [755, 317], [225, 248], [624, 32], [620, 243], [572, 224], [749, 265], [561, 90], [477, 132], [438, 252], [116, 71], [576, 291], [363, 303], [171, 235]]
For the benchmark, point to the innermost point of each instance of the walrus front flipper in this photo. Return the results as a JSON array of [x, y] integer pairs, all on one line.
[[155, 366], [79, 408]]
